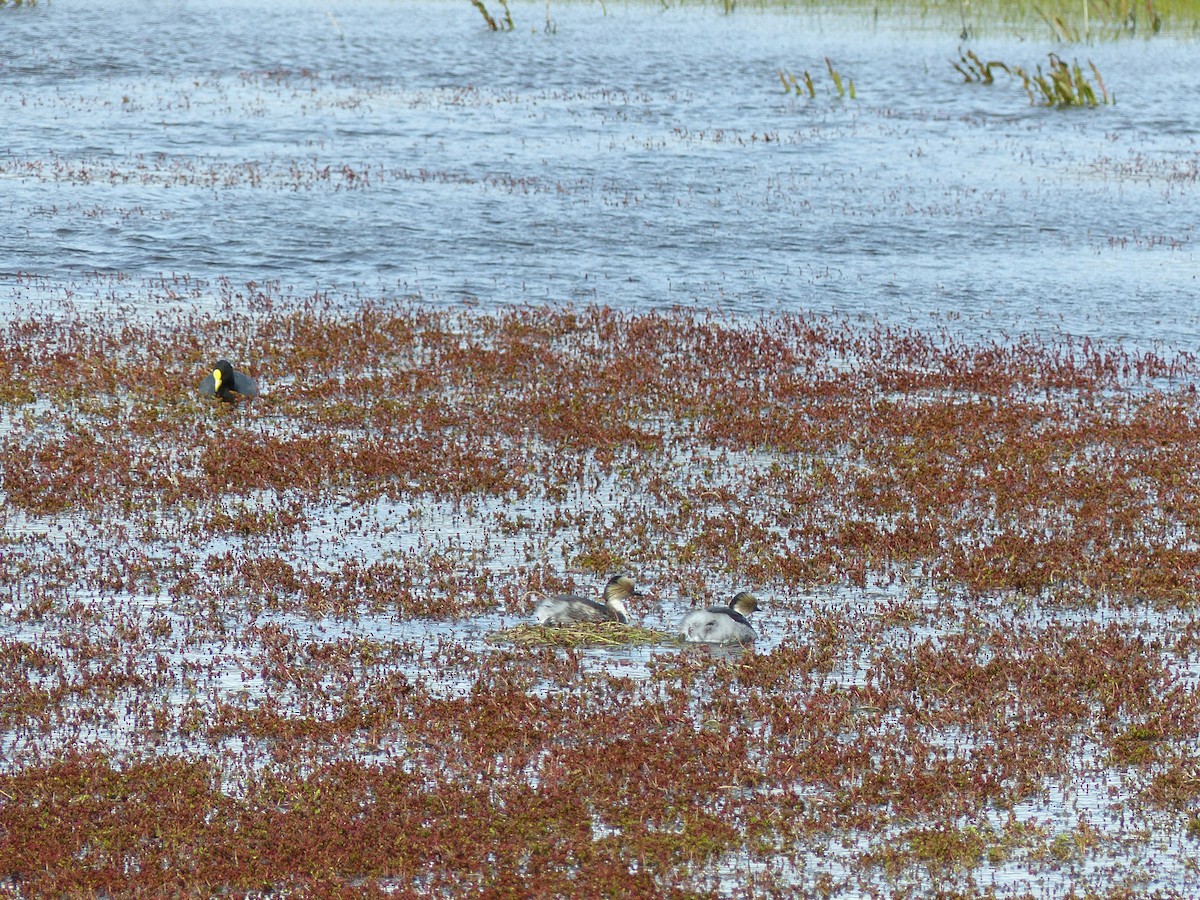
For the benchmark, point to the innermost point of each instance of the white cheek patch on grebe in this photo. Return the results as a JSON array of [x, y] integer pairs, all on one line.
[[571, 609], [721, 624]]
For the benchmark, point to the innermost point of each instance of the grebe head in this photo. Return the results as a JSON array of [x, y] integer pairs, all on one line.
[[744, 602]]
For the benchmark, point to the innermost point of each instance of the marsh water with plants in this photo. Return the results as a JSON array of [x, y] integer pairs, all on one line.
[[885, 313]]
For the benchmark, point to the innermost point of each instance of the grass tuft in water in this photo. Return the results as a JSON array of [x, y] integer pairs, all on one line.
[[804, 85], [1069, 21], [603, 634], [1065, 84], [507, 25], [1120, 17], [972, 68]]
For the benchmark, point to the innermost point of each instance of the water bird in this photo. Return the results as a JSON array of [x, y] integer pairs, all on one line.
[[227, 384], [571, 609], [721, 624]]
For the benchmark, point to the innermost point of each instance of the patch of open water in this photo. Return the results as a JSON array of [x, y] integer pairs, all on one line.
[[632, 156]]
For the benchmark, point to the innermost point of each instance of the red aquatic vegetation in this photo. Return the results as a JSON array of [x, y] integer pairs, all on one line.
[[206, 596]]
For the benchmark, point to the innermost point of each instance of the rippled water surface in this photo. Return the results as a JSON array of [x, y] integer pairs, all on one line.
[[640, 157], [633, 156]]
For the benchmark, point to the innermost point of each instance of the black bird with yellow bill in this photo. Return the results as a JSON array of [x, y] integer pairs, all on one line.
[[227, 384]]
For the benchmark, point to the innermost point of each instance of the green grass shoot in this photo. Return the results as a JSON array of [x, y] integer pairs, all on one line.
[[489, 18], [1063, 85], [805, 86]]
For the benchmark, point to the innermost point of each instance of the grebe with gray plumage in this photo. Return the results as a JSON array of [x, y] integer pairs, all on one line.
[[721, 624], [571, 609]]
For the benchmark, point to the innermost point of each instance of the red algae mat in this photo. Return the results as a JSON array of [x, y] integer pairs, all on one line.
[[244, 649]]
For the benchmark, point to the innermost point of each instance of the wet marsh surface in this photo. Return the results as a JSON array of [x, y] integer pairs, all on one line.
[[532, 308]]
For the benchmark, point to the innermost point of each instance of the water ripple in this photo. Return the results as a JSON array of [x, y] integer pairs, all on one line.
[[588, 163]]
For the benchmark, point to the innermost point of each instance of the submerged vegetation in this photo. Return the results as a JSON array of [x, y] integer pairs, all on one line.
[[256, 649]]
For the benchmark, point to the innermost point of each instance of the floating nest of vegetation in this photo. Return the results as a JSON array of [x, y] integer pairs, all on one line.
[[603, 634]]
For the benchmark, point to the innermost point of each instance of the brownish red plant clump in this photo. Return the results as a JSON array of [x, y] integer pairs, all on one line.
[[244, 651]]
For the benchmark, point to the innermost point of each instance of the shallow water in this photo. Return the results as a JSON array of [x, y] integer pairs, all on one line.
[[633, 156]]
